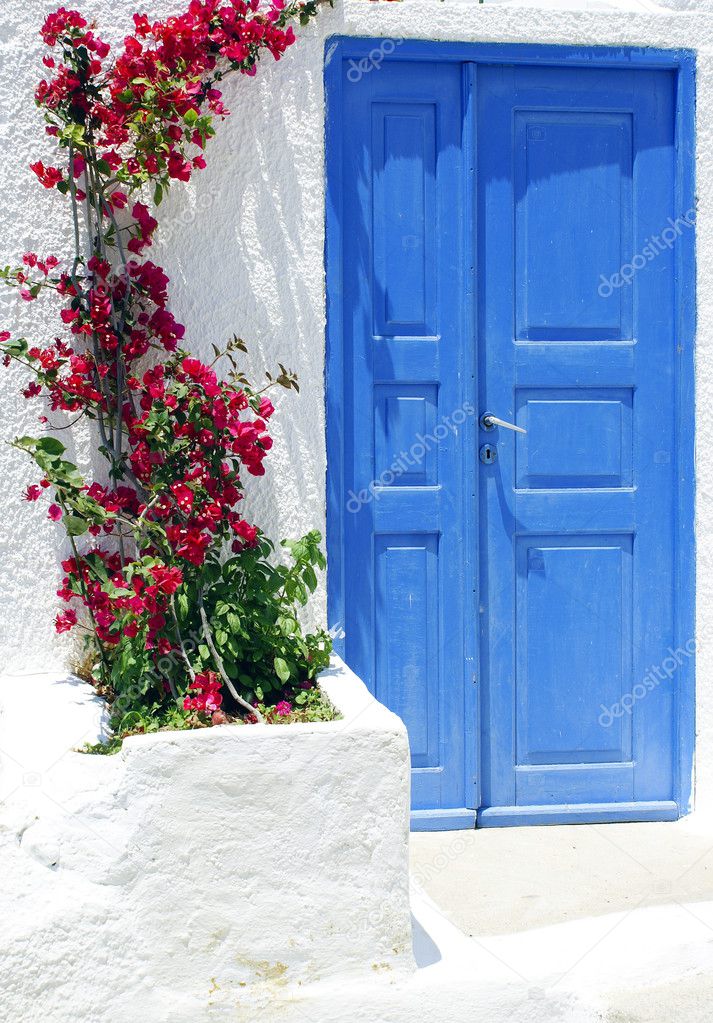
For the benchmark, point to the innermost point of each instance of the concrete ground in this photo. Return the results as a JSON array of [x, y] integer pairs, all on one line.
[[619, 916], [501, 880]]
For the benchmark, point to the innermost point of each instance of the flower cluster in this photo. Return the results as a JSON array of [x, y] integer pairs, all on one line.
[[177, 435], [209, 698]]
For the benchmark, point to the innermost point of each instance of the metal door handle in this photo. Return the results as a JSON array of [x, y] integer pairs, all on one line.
[[488, 422]]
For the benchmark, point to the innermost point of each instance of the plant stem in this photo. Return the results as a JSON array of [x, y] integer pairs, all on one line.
[[85, 595], [219, 663], [177, 627]]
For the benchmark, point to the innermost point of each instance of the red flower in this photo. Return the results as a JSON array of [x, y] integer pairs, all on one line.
[[236, 51], [246, 531], [143, 218], [33, 493], [183, 495], [283, 708], [49, 176], [266, 408], [167, 579], [65, 621], [55, 512], [143, 28], [179, 168], [210, 698], [118, 199], [62, 22]]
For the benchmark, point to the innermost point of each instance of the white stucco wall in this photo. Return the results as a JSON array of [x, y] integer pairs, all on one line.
[[252, 260], [197, 869]]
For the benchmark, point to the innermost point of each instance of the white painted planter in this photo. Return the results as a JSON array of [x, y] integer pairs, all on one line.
[[196, 869]]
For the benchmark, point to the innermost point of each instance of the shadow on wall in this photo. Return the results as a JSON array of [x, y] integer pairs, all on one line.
[[426, 952], [244, 249]]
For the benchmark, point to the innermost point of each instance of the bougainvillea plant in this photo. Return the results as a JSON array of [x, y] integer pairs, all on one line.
[[176, 592]]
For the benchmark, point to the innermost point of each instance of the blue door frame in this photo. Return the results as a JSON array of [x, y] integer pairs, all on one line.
[[339, 52]]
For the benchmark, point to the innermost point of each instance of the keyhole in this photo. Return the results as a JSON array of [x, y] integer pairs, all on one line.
[[488, 454]]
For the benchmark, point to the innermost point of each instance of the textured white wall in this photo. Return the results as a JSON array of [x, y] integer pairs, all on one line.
[[195, 874], [243, 246], [253, 261]]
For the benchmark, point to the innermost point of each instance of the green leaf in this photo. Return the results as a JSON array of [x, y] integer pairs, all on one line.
[[75, 525], [281, 669], [50, 445], [18, 347], [191, 116], [26, 443], [310, 578]]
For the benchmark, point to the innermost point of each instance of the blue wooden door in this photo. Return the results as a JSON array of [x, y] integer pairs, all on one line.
[[577, 346], [407, 564], [510, 595]]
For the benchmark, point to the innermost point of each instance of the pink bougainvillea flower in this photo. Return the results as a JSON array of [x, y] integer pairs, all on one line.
[[33, 493], [65, 621], [183, 495], [49, 176], [167, 579], [209, 698], [247, 532], [179, 168], [283, 708], [54, 513], [118, 199], [266, 408]]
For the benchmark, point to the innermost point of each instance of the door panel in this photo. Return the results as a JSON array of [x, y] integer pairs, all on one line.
[[404, 349], [576, 174], [572, 184]]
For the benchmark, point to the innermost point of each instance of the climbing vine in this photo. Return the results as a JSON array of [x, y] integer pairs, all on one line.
[[190, 619]]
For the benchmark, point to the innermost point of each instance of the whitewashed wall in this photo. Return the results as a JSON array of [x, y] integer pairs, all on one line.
[[197, 874], [244, 247]]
